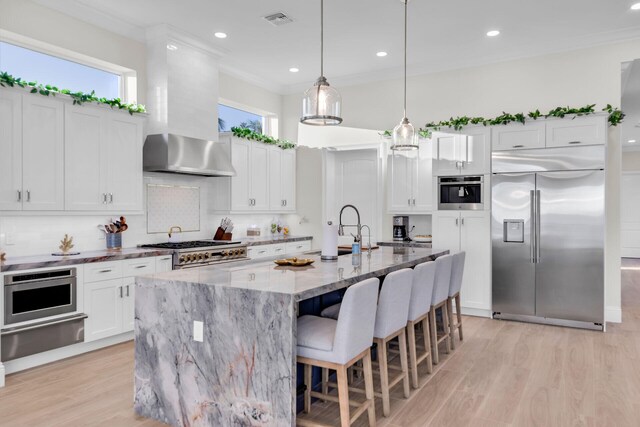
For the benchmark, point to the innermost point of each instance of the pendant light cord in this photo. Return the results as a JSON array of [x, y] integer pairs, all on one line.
[[405, 57], [321, 38]]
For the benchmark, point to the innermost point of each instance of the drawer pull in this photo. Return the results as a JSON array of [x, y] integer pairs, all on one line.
[[262, 252], [518, 146], [575, 142], [105, 271], [140, 266]]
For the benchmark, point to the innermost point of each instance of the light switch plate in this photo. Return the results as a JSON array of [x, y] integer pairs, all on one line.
[[198, 331]]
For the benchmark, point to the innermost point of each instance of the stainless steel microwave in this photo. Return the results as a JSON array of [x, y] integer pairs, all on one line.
[[461, 192]]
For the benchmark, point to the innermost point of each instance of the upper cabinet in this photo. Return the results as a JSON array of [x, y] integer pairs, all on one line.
[[410, 181], [461, 153], [569, 131], [57, 156], [265, 179]]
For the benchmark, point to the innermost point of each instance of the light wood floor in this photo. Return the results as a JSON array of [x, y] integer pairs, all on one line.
[[503, 374]]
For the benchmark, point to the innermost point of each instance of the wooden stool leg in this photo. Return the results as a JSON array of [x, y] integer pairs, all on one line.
[[325, 380], [427, 344], [434, 336], [368, 387], [307, 390], [413, 358], [343, 396], [402, 341], [451, 326], [445, 323], [459, 315], [384, 376]]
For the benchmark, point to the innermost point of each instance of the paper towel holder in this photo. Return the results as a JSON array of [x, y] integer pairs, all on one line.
[[328, 258]]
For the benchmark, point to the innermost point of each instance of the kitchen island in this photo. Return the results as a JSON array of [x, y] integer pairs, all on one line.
[[243, 371]]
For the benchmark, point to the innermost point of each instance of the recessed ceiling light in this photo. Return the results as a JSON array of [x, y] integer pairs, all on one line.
[[381, 54], [172, 47], [294, 69], [493, 33], [635, 6], [221, 35], [631, 141]]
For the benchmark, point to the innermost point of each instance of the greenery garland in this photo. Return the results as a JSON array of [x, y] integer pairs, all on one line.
[[246, 133], [79, 98], [616, 116]]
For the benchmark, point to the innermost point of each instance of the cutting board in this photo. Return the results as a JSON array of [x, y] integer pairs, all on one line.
[[347, 247]]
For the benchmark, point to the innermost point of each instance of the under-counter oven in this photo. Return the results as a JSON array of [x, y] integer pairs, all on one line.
[[461, 193]]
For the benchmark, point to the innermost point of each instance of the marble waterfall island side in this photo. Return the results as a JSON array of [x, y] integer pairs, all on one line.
[[243, 373]]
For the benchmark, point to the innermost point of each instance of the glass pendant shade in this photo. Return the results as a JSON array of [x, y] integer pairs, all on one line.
[[404, 136], [321, 105]]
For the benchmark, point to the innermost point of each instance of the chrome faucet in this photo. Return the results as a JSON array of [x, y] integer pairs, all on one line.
[[358, 236], [369, 238]]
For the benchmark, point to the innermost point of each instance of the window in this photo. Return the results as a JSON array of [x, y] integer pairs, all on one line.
[[64, 74], [229, 117]]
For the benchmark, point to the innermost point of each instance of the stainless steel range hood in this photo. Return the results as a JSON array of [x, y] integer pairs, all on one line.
[[172, 153]]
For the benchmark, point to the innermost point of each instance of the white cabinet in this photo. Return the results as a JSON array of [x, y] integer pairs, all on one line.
[[297, 247], [278, 249], [258, 252], [518, 136], [265, 179], [109, 289], [103, 160], [164, 263], [585, 130], [410, 181], [468, 231], [10, 151], [282, 179], [250, 186], [462, 153]]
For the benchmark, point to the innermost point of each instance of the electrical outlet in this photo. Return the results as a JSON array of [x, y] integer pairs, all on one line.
[[198, 331]]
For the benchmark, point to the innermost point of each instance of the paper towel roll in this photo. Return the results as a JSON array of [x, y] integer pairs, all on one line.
[[329, 241]]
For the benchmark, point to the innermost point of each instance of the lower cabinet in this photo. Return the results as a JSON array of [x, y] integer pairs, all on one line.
[[277, 249], [108, 300], [468, 231]]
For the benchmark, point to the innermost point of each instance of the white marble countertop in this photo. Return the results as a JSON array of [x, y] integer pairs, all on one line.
[[302, 282]]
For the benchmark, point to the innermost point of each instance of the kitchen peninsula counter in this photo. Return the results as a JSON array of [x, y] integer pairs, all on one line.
[[244, 370]]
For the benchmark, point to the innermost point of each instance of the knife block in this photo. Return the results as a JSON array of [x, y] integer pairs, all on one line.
[[221, 235]]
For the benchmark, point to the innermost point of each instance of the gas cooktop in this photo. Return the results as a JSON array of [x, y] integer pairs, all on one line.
[[191, 244]]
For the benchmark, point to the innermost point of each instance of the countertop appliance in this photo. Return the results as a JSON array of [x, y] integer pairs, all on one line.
[[168, 152], [203, 252], [547, 228], [400, 228], [461, 192], [40, 313]]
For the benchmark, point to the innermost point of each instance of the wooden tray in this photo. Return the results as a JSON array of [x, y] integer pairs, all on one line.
[[295, 262]]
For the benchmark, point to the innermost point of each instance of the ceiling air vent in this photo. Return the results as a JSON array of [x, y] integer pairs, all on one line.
[[278, 19]]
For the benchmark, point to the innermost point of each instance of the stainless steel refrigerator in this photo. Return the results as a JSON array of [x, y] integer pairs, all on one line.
[[548, 230]]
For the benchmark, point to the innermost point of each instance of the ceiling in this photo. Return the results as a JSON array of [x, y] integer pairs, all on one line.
[[442, 34]]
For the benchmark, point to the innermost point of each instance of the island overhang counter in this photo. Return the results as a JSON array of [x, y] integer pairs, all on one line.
[[243, 372]]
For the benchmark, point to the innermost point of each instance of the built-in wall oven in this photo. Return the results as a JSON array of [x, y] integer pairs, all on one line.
[[40, 312], [461, 192]]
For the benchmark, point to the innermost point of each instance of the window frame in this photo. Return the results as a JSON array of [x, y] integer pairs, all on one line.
[[128, 78]]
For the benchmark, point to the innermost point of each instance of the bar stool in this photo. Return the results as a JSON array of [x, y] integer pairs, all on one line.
[[439, 300], [457, 271], [337, 345], [391, 322], [419, 309]]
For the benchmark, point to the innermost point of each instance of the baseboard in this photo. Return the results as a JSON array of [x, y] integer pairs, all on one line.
[[28, 362], [478, 312], [613, 314]]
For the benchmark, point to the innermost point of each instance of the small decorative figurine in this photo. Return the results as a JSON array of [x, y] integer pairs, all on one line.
[[66, 244]]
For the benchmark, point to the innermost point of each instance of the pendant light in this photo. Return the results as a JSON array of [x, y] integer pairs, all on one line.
[[404, 135], [321, 103]]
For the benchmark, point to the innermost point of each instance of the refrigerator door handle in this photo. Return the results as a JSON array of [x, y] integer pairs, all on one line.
[[538, 257], [533, 220]]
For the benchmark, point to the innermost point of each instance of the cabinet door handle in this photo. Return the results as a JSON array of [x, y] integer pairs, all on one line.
[[19, 195], [575, 142], [110, 197], [414, 202], [120, 287], [456, 222], [462, 221], [409, 202], [518, 146], [127, 290], [285, 202], [28, 195], [462, 164]]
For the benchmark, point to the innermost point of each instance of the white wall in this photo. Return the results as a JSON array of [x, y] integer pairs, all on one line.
[[31, 20], [570, 78], [631, 161]]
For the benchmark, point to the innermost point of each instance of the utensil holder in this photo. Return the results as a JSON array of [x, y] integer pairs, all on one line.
[[114, 241]]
